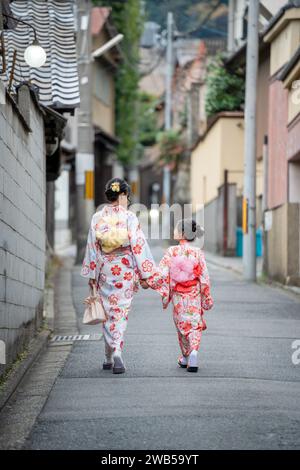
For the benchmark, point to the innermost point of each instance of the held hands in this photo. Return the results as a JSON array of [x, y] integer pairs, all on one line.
[[144, 284]]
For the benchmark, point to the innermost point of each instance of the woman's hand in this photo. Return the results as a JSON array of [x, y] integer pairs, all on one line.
[[92, 283], [144, 284]]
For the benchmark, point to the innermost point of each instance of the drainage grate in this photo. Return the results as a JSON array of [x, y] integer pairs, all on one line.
[[71, 338]]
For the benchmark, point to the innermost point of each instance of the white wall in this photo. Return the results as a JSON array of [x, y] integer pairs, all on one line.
[[62, 231]]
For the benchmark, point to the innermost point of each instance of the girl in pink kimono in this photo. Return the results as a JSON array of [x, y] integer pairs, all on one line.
[[117, 259], [183, 278]]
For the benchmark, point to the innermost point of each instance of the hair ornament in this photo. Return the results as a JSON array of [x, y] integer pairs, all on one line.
[[115, 187]]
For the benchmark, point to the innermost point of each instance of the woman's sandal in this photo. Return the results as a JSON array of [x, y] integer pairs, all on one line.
[[192, 363], [183, 366], [107, 365], [118, 367]]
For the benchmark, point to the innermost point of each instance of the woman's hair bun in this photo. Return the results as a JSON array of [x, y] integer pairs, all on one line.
[[115, 187]]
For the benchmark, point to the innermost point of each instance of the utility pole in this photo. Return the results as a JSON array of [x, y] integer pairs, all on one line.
[[168, 101], [85, 164], [249, 245]]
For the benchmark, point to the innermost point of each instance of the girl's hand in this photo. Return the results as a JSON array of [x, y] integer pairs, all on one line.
[[92, 283], [144, 284]]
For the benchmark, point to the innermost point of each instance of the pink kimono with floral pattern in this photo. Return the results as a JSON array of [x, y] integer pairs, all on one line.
[[117, 273], [183, 278]]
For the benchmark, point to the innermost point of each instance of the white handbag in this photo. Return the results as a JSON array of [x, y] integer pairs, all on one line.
[[94, 312]]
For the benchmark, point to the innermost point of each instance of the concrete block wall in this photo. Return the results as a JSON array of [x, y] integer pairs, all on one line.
[[22, 226], [211, 237], [283, 245]]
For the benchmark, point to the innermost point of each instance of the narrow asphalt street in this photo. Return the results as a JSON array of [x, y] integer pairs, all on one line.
[[246, 394]]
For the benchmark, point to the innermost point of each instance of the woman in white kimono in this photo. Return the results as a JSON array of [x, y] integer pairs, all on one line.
[[117, 259]]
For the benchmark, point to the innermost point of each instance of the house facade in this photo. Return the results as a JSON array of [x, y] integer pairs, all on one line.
[[103, 101], [237, 20], [283, 177], [216, 145], [217, 179]]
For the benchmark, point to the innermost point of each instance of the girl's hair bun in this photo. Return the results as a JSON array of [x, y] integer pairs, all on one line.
[[199, 231], [189, 229]]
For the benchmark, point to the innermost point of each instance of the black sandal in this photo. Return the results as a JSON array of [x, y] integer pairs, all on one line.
[[107, 365], [192, 369], [192, 363], [183, 366]]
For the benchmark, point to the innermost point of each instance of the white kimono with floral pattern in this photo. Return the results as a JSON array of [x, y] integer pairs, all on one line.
[[117, 274], [189, 299]]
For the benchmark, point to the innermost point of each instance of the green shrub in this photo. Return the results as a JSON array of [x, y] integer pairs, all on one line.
[[225, 90], [170, 145]]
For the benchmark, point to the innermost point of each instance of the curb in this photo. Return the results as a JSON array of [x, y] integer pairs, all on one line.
[[59, 316], [65, 319], [36, 346], [221, 265], [293, 290], [290, 289]]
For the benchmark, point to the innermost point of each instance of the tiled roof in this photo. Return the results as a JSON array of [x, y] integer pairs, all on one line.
[[290, 65], [290, 4], [98, 19], [53, 20]]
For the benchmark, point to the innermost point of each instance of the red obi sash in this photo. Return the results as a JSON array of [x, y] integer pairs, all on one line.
[[185, 287]]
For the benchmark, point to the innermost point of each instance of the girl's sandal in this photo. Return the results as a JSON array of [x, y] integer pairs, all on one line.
[[192, 369]]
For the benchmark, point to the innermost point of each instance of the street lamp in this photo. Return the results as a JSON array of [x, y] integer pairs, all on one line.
[[34, 55]]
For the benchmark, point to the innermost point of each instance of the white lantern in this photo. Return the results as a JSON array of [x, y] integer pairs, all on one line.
[[35, 55]]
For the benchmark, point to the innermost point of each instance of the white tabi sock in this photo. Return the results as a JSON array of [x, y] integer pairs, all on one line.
[[193, 359], [108, 354], [183, 360]]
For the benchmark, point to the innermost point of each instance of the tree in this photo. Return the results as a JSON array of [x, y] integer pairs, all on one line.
[[128, 20], [171, 147], [225, 90], [147, 122]]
